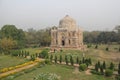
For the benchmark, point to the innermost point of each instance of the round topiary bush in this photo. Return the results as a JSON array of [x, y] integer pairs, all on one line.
[[108, 72], [82, 67]]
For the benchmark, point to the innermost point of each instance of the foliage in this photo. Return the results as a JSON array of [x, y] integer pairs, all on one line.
[[83, 67], [66, 59], [101, 69], [15, 52], [111, 66], [60, 59], [119, 68], [46, 76], [51, 58], [108, 72], [44, 54], [96, 67], [10, 31], [7, 44], [47, 61], [38, 38], [77, 60], [104, 65], [71, 60], [55, 59], [107, 49]]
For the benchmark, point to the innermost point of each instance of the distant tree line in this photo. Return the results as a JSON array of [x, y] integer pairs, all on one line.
[[104, 37]]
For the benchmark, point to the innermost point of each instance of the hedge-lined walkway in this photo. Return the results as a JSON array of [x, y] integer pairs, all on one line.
[[18, 69]]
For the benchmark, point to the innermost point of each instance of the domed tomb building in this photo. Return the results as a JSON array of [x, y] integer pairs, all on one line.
[[67, 35]]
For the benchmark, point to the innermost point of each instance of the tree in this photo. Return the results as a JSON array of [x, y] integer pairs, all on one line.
[[71, 60], [101, 69], [80, 62], [111, 66], [96, 67], [51, 58], [96, 46], [98, 64], [77, 60], [10, 31], [89, 60], [66, 59], [7, 44], [104, 65], [44, 54], [55, 59], [60, 58], [83, 60], [119, 68]]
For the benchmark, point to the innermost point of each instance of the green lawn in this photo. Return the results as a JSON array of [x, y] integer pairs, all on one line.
[[7, 61], [63, 71], [33, 50]]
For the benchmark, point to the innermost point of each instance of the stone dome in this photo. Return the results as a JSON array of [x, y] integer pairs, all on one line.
[[67, 22]]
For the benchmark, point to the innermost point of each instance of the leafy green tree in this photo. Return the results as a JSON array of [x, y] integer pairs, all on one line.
[[111, 66], [51, 58], [71, 60], [44, 54], [107, 49], [104, 65], [96, 67], [98, 64], [83, 60], [89, 60], [55, 59], [80, 62], [96, 46], [60, 59], [101, 69], [66, 59], [77, 60], [7, 44], [10, 31], [119, 68]]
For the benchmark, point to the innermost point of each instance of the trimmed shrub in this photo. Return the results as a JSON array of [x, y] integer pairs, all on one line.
[[77, 60], [111, 66], [104, 65], [66, 59], [108, 72], [60, 59], [71, 60], [47, 61], [82, 67], [51, 58], [44, 54], [55, 59]]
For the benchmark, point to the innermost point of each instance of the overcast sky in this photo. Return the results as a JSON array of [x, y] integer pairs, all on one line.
[[37, 14]]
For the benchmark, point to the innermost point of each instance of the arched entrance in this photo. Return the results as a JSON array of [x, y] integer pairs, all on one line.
[[63, 42]]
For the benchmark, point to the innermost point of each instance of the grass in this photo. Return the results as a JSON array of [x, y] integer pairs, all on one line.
[[7, 61], [33, 50], [63, 71]]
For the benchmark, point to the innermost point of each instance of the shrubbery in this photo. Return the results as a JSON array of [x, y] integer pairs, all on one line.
[[82, 67], [108, 72], [44, 54]]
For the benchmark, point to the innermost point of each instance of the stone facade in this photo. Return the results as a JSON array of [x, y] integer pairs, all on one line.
[[67, 35]]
